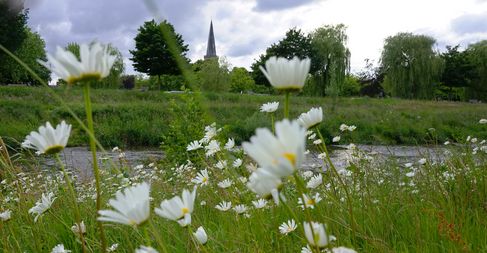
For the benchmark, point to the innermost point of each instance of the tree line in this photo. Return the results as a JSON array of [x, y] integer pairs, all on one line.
[[410, 65]]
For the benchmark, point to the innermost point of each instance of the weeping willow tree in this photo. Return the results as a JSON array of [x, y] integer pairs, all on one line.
[[477, 54], [412, 68], [332, 58]]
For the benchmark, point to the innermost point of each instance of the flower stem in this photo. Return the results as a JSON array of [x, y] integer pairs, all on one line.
[[77, 214], [286, 105], [272, 124], [96, 171]]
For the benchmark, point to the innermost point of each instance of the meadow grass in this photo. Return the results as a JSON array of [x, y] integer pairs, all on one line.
[[140, 119]]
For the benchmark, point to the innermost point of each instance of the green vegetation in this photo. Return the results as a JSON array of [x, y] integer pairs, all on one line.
[[136, 118]]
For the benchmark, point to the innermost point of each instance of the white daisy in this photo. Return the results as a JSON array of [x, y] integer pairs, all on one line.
[[178, 208], [237, 163], [212, 148], [284, 74], [48, 140], [240, 209], [269, 107], [224, 206], [288, 227], [132, 206], [225, 183], [315, 181], [221, 164], [94, 64], [194, 145], [42, 205], [201, 235], [146, 249], [5, 215], [260, 203], [60, 249], [483, 121], [202, 178], [336, 139], [311, 118], [79, 228], [309, 202], [230, 144], [316, 236]]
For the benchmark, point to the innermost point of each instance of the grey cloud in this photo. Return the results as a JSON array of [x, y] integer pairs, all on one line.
[[470, 23], [269, 5]]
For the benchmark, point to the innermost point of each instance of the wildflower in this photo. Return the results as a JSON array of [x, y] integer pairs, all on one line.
[[312, 136], [311, 118], [230, 144], [422, 161], [95, 63], [408, 165], [315, 181], [343, 250], [42, 205], [113, 247], [316, 236], [146, 249], [317, 142], [278, 154], [284, 74], [336, 139], [79, 228], [446, 143], [224, 206], [194, 145], [473, 140], [132, 206], [200, 235], [287, 227], [60, 249], [202, 178], [116, 149], [483, 121], [309, 202], [221, 164], [212, 148], [351, 128], [269, 107], [121, 155], [263, 183], [210, 133], [240, 209], [343, 127], [178, 208], [5, 215], [307, 174], [237, 163], [260, 203], [48, 140], [306, 249], [225, 183]]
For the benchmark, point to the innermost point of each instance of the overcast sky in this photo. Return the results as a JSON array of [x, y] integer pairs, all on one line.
[[245, 28]]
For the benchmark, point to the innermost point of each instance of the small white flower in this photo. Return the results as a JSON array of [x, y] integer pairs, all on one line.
[[410, 174], [6, 215], [483, 121], [132, 207], [203, 203], [284, 74], [473, 140], [194, 145], [269, 107], [263, 183], [237, 163], [225, 183], [408, 165], [95, 63], [113, 247], [178, 208], [202, 178], [288, 227], [352, 128], [240, 209], [309, 202], [260, 203], [243, 180], [60, 249], [48, 140], [230, 144], [422, 161], [42, 205], [307, 174], [315, 181], [121, 155], [212, 148], [221, 165], [311, 118], [116, 149], [312, 136], [336, 139], [306, 249], [343, 250], [343, 127], [224, 206], [201, 236], [316, 236], [317, 142], [81, 228], [446, 143], [146, 249]]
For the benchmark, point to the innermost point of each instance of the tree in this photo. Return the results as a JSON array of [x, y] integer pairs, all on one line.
[[31, 49], [294, 43], [13, 22], [412, 68], [212, 74], [113, 79], [152, 55], [477, 54], [458, 73], [331, 59], [240, 80]]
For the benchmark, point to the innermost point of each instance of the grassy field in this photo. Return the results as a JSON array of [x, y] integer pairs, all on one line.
[[140, 119]]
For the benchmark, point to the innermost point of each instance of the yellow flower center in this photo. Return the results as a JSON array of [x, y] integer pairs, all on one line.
[[84, 77], [290, 157], [310, 202], [204, 179], [185, 210]]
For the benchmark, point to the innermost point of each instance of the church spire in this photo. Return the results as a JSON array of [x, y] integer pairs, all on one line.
[[210, 48]]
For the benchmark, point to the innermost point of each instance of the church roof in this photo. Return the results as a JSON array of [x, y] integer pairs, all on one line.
[[211, 48]]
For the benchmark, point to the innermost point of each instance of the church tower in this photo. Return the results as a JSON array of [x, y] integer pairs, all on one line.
[[210, 48]]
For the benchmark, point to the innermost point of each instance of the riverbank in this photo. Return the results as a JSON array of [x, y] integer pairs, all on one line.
[[140, 119]]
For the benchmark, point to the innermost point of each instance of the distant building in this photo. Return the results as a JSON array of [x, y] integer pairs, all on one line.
[[211, 48]]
